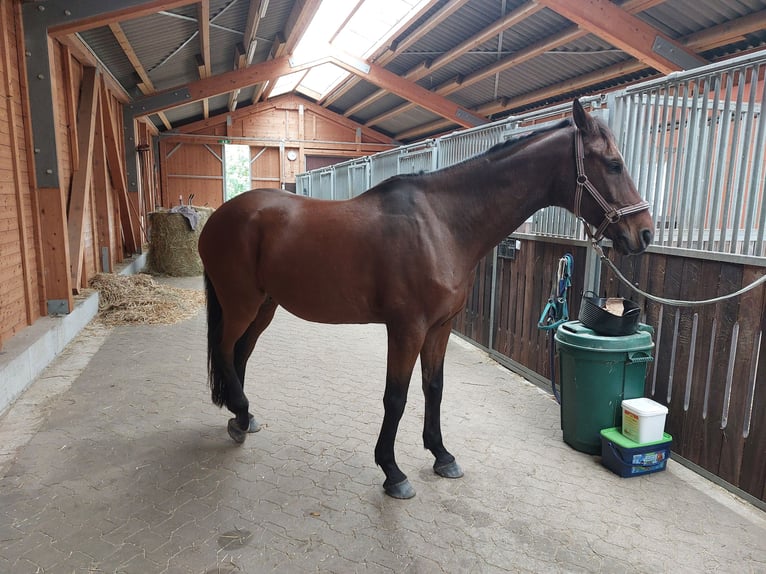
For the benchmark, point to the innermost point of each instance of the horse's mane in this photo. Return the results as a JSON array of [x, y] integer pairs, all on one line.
[[510, 143], [495, 149]]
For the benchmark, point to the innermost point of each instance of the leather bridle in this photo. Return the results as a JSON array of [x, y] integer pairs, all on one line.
[[611, 215]]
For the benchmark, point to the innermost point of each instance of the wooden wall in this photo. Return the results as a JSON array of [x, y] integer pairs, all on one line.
[[53, 240], [21, 279], [191, 157], [708, 361]]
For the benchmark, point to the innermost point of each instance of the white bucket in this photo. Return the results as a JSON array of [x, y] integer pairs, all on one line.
[[643, 420]]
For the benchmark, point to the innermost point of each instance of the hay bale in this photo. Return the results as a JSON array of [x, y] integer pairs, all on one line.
[[138, 299], [173, 244]]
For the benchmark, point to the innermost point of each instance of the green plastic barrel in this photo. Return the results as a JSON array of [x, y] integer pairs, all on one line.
[[597, 372]]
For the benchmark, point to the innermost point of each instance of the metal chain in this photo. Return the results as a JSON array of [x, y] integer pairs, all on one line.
[[671, 302]]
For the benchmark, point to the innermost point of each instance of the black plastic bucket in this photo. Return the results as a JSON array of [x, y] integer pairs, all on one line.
[[594, 315]]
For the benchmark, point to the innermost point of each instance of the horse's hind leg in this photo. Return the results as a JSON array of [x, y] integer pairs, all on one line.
[[246, 343], [432, 364], [234, 320]]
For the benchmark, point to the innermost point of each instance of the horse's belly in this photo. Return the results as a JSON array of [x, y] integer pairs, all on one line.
[[321, 308]]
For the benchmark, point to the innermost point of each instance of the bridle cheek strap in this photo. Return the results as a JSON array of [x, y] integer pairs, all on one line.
[[611, 215]]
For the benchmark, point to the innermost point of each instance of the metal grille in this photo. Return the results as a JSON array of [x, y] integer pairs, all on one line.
[[694, 143]]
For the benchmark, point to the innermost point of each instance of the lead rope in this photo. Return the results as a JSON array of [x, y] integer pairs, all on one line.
[[672, 302], [556, 312]]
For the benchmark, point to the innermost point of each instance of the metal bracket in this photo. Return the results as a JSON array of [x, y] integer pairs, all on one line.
[[58, 307], [670, 52]]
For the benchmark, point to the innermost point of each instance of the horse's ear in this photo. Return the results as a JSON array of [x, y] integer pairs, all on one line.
[[582, 118]]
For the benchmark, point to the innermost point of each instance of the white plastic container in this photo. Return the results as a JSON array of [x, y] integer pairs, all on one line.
[[643, 420]]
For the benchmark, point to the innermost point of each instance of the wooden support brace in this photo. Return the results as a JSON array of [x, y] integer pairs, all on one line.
[[81, 179], [117, 175]]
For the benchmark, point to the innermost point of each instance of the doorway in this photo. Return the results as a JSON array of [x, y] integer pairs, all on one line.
[[236, 170]]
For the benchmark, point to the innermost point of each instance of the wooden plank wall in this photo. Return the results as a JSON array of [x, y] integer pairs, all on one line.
[[711, 377], [191, 162], [708, 368], [36, 224], [21, 280]]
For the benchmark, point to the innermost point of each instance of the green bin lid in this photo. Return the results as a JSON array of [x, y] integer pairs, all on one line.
[[615, 435], [576, 335]]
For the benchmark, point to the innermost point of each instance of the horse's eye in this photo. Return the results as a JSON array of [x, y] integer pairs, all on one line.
[[614, 167]]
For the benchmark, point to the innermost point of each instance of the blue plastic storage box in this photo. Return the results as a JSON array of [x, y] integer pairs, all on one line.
[[628, 458]]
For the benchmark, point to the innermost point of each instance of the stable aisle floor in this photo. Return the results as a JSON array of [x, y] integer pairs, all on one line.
[[116, 461]]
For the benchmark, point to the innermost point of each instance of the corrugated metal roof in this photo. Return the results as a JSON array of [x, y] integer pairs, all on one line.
[[167, 45]]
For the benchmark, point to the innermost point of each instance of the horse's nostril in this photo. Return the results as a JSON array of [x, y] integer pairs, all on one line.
[[646, 236]]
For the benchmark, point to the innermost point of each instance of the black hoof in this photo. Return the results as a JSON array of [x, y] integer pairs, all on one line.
[[448, 470], [236, 433], [254, 425], [402, 490]]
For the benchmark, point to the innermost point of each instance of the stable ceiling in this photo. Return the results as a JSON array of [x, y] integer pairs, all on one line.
[[456, 63]]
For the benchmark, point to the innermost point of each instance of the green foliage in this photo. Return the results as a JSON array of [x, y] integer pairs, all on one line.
[[237, 169]]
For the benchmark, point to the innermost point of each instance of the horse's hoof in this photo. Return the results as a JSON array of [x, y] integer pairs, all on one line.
[[402, 490], [448, 470], [254, 425], [236, 433]]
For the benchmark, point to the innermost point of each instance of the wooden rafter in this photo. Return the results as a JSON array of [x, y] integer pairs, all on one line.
[[623, 30], [203, 59], [535, 49], [410, 91], [297, 23], [422, 70], [263, 90], [106, 18], [387, 53], [146, 86], [244, 51], [711, 38]]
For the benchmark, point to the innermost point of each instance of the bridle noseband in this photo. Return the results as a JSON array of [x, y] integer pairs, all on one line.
[[611, 215]]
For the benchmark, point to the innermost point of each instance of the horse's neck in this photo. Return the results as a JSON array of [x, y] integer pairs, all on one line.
[[492, 198]]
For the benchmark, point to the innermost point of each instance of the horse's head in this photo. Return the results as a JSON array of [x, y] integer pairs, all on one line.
[[606, 196]]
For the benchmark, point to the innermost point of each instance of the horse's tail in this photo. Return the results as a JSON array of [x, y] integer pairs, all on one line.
[[214, 329]]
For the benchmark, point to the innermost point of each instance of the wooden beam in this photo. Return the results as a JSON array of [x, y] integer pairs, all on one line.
[[72, 23], [70, 94], [298, 21], [103, 206], [244, 51], [531, 51], [286, 101], [203, 25], [217, 85], [117, 176], [713, 37], [263, 90], [387, 53], [408, 90], [421, 71], [82, 178], [726, 33], [145, 85], [55, 240], [628, 33]]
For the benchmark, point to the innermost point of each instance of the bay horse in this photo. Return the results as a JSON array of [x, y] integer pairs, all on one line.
[[403, 254]]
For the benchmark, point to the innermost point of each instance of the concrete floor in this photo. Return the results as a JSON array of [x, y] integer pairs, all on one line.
[[115, 461]]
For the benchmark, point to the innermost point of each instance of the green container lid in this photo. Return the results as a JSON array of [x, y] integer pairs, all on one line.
[[615, 435], [574, 334]]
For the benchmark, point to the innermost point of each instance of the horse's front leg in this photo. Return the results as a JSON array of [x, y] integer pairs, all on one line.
[[402, 352], [432, 363]]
